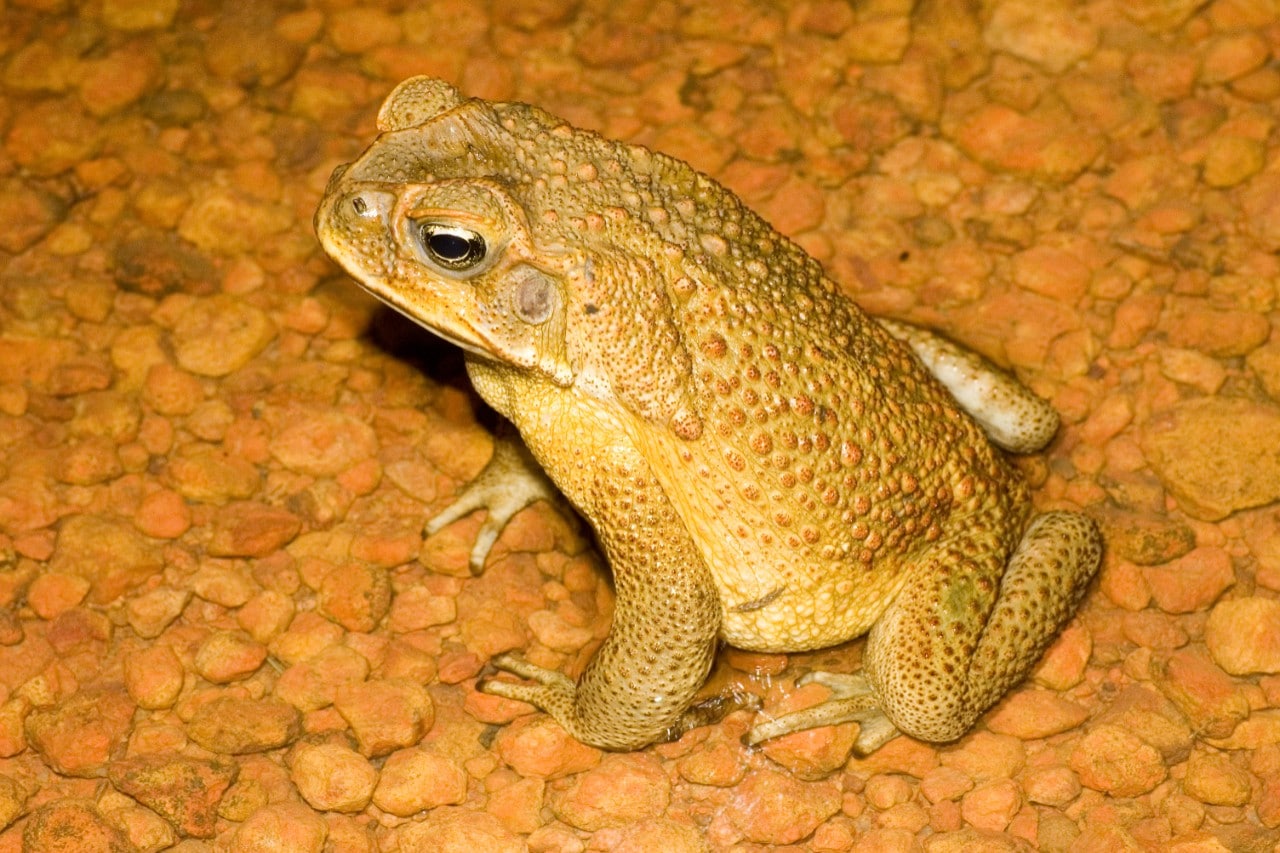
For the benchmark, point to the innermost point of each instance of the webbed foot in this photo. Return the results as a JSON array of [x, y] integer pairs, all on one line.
[[509, 482], [551, 691], [852, 701]]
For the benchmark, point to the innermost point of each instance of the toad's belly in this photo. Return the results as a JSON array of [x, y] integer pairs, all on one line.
[[779, 590], [771, 602]]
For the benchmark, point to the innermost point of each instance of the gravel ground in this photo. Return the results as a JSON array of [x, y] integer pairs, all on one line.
[[222, 627]]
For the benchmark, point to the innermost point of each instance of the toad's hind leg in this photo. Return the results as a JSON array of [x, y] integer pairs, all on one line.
[[949, 648], [941, 656], [1009, 413]]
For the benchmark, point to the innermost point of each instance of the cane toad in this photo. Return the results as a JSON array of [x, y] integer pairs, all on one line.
[[762, 462]]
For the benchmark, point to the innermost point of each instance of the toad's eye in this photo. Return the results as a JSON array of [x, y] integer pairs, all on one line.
[[456, 249]]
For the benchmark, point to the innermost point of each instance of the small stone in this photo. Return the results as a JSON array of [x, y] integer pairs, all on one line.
[[1035, 714], [30, 212], [13, 799], [163, 514], [158, 265], [110, 83], [1053, 272], [1186, 447], [1260, 209], [416, 779], [201, 472], [79, 735], [1233, 55], [1148, 540], [154, 676], [385, 715], [171, 391], [55, 593], [1164, 75], [991, 806], [332, 777], [945, 784], [1052, 38], [37, 67], [80, 630], [1055, 785], [518, 805], [219, 335], [322, 443], [1230, 160], [357, 30], [1111, 760], [985, 756], [52, 137], [230, 725], [150, 613], [886, 790], [1213, 779], [1062, 666], [1201, 691], [536, 746], [223, 582], [1190, 367], [13, 737], [771, 807], [1222, 333], [266, 615], [184, 791], [672, 836], [309, 634], [144, 829], [455, 829], [88, 462], [620, 791], [139, 15], [1262, 728], [1191, 582], [879, 37], [106, 551], [228, 656], [554, 632], [717, 761], [72, 826], [1243, 635], [1269, 801], [1265, 363], [1006, 140], [313, 683], [417, 608], [281, 827], [795, 207], [356, 595], [251, 529]]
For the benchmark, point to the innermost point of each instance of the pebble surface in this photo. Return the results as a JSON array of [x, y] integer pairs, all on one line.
[[221, 628]]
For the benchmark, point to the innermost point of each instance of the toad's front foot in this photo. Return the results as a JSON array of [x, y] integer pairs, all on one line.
[[507, 484], [852, 701]]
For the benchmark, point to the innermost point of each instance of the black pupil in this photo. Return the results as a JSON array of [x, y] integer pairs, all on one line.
[[450, 247]]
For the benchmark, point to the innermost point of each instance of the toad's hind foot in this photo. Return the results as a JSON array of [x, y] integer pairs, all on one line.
[[852, 701], [553, 692]]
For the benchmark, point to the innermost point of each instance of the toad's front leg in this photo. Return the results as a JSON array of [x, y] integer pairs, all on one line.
[[639, 687]]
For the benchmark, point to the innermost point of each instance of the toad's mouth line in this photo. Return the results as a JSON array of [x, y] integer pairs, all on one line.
[[465, 346]]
